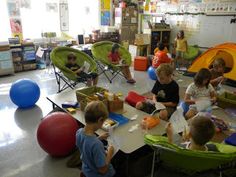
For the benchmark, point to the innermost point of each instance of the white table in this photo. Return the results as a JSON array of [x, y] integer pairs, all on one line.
[[128, 142]]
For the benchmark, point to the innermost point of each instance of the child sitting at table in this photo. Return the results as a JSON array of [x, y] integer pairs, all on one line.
[[199, 89], [217, 71], [165, 91], [95, 160], [90, 78], [160, 57], [115, 58], [201, 131]]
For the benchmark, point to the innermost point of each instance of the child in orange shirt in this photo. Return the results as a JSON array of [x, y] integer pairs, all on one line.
[[160, 57]]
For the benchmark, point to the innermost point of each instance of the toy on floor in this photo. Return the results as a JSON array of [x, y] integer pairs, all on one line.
[[152, 73], [24, 93], [56, 134]]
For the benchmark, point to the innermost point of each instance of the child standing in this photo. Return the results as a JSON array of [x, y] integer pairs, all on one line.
[[181, 46], [200, 88], [90, 78], [201, 132], [165, 91], [217, 71], [160, 57], [95, 161], [115, 58]]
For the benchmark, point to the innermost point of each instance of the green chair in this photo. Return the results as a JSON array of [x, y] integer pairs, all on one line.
[[188, 161], [100, 51], [65, 77]]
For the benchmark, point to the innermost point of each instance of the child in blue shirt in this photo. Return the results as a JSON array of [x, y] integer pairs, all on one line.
[[95, 160]]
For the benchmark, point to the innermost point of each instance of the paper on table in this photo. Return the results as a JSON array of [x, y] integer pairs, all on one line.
[[111, 141], [86, 67], [159, 106], [203, 104], [178, 121]]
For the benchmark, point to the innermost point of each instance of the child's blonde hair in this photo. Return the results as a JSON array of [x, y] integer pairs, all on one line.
[[219, 62], [94, 111], [165, 68]]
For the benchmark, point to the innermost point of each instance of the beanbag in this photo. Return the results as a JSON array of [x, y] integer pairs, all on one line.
[[133, 98]]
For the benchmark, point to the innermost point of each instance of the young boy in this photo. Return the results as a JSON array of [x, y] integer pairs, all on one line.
[[90, 78], [95, 161], [201, 132], [217, 72], [165, 90], [160, 57]]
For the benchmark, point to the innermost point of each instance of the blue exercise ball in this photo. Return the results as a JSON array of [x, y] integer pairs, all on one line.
[[24, 93], [152, 73]]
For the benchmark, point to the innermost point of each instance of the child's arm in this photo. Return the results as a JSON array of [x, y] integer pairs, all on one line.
[[169, 132], [213, 97], [110, 151], [79, 70], [169, 104], [217, 80], [187, 99], [186, 43]]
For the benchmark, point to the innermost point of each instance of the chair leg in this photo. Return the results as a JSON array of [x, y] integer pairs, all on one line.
[[153, 163]]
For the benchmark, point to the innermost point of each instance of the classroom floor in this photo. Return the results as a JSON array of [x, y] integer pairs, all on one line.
[[20, 155]]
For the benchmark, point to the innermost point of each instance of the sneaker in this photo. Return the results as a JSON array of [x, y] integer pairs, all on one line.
[[131, 81]]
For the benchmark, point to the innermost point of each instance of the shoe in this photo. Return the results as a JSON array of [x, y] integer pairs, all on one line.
[[131, 81]]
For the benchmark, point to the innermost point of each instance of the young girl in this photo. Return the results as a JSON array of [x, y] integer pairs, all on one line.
[[201, 88], [181, 46], [115, 58]]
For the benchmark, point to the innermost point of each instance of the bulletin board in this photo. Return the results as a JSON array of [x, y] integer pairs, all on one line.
[[105, 12]]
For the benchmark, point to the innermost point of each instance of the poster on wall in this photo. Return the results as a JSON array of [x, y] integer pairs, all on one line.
[[13, 8], [51, 7], [25, 4], [105, 18], [15, 18], [64, 17], [105, 5]]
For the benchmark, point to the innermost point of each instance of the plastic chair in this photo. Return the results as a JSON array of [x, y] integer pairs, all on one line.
[[100, 51], [189, 161], [65, 77]]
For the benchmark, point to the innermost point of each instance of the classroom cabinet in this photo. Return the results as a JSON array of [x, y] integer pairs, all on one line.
[[6, 65]]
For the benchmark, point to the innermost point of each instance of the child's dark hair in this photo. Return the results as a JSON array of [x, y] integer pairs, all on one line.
[[71, 55], [114, 47], [181, 32], [202, 75], [219, 62], [202, 130], [94, 111], [161, 46]]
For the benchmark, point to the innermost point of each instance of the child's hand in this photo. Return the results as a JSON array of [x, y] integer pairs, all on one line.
[[103, 136], [185, 135], [110, 149]]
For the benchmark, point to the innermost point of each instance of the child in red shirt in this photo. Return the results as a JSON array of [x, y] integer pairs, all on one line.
[[160, 57], [115, 58]]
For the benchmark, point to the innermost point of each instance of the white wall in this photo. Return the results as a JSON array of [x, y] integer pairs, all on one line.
[[205, 31]]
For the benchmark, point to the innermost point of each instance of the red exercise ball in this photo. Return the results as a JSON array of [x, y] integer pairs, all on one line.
[[56, 134]]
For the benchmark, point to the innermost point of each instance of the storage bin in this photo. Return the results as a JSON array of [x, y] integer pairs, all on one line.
[[140, 63], [227, 100]]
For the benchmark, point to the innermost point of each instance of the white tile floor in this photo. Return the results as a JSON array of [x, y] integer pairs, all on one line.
[[20, 155]]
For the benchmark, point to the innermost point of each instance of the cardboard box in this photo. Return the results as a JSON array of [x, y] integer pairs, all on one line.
[[142, 39]]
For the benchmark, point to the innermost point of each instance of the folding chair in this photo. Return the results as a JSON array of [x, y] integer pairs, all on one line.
[[65, 77], [188, 161], [100, 51]]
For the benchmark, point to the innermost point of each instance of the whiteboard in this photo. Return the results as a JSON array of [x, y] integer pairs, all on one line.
[[208, 31]]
